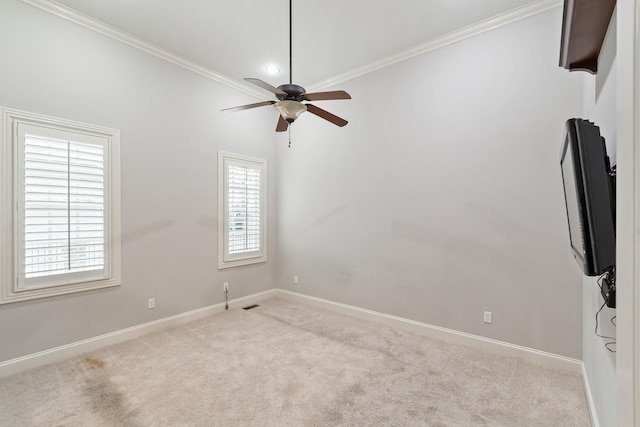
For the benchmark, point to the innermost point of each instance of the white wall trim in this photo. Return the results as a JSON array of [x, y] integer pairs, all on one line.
[[549, 360], [110, 139], [57, 354], [225, 160], [593, 415], [538, 357], [494, 22], [133, 41], [628, 213], [509, 17]]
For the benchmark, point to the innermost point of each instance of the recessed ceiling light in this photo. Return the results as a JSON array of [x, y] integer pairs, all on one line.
[[272, 69]]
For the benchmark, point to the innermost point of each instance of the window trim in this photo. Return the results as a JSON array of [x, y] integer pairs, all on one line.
[[9, 220], [225, 260]]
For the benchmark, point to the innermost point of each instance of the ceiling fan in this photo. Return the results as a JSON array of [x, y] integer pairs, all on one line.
[[290, 96]]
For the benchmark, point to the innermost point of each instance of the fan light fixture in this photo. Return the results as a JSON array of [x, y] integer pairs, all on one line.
[[290, 110]]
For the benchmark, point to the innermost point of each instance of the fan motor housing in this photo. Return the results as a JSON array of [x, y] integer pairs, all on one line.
[[294, 92]]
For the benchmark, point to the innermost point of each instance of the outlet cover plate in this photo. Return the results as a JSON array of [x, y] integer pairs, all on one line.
[[487, 317]]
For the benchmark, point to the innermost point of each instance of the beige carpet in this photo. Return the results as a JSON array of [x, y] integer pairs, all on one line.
[[283, 364]]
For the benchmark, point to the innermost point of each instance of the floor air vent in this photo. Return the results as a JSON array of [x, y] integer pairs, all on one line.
[[249, 307]]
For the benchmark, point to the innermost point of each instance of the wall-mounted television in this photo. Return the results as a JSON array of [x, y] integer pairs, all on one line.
[[589, 191]]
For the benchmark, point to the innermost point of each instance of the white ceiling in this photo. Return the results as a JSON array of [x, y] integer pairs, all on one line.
[[237, 38]]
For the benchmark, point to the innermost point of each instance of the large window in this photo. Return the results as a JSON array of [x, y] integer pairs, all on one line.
[[241, 210], [60, 198]]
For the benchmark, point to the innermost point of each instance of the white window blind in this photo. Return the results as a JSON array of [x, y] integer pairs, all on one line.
[[241, 204], [60, 188], [64, 206], [244, 209]]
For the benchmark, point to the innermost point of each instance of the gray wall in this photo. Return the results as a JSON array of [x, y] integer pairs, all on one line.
[[443, 198], [600, 364], [171, 128]]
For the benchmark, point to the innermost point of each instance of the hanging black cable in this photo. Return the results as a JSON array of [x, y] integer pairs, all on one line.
[[290, 57], [290, 47]]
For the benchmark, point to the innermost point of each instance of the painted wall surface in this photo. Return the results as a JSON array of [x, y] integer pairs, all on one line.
[[442, 197], [600, 364], [171, 129]]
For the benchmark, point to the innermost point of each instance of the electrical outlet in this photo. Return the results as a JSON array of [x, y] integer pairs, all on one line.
[[225, 286], [295, 280], [151, 303], [487, 317]]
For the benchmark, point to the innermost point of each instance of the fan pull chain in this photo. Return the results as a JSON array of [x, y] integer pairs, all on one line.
[[289, 136]]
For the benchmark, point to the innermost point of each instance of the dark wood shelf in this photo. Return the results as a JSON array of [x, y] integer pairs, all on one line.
[[584, 25]]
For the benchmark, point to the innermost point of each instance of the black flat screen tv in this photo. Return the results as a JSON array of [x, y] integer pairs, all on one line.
[[589, 192]]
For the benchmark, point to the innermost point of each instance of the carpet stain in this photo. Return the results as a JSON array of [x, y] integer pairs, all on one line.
[[94, 363], [356, 390], [104, 397], [110, 404]]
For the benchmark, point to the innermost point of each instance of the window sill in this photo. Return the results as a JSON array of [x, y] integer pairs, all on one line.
[[10, 296], [240, 262]]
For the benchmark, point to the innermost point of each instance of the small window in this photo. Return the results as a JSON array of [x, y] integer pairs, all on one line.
[[63, 184], [241, 210]]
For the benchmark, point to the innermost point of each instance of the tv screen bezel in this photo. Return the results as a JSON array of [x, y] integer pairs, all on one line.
[[595, 194]]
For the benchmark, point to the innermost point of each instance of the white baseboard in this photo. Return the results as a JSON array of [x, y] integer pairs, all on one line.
[[57, 354], [548, 360], [593, 415], [78, 348], [541, 358]]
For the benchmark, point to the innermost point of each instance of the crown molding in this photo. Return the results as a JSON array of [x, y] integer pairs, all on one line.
[[506, 18], [480, 27], [135, 42]]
